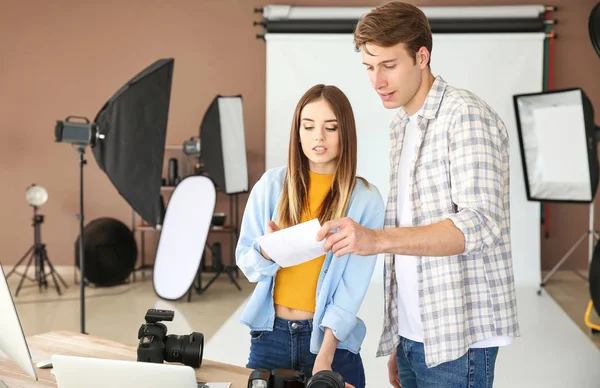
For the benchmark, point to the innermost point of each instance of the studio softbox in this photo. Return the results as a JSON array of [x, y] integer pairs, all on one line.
[[134, 125], [223, 144], [594, 27], [127, 138], [557, 137]]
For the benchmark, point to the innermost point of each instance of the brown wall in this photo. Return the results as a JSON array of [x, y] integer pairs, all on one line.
[[67, 58]]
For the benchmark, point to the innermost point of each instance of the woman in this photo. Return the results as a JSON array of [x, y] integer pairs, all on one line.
[[304, 317]]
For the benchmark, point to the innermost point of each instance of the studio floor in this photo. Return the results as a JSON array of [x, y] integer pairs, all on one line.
[[556, 349]]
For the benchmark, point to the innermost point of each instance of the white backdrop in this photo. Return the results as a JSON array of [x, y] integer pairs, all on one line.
[[494, 66]]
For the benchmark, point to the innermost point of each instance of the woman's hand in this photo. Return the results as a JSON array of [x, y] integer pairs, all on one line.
[[322, 362], [271, 227]]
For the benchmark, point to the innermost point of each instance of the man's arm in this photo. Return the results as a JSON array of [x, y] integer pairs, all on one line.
[[477, 173], [440, 239]]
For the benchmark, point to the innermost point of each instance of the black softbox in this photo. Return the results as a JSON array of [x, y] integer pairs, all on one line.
[[127, 138], [134, 125]]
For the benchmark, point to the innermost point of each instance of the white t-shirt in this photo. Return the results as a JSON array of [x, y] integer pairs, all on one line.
[[409, 317]]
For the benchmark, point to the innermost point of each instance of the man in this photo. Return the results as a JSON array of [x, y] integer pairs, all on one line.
[[449, 287]]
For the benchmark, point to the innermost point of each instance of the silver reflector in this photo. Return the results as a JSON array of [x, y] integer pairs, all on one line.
[[183, 236]]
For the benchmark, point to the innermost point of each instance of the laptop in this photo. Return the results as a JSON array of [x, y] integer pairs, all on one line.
[[77, 372]]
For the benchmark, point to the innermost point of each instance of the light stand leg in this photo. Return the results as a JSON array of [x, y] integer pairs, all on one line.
[[219, 267], [82, 162], [31, 258], [591, 233], [20, 261]]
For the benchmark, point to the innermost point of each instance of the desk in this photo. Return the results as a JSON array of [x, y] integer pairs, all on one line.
[[43, 346]]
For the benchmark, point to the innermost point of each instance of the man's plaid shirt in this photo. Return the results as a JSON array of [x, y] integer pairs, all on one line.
[[461, 173]]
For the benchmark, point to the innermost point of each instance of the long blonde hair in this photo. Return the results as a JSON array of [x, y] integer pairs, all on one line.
[[293, 199]]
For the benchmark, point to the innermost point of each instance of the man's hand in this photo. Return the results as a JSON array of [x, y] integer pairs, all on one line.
[[393, 371], [351, 238], [271, 227]]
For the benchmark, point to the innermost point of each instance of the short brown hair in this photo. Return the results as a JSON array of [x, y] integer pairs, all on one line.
[[392, 23]]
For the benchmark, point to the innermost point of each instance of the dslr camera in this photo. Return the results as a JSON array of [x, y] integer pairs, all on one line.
[[284, 378], [156, 346]]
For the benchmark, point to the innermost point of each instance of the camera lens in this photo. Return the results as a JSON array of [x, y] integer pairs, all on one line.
[[186, 349], [326, 379]]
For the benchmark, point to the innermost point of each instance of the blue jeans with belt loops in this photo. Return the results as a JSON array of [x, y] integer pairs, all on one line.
[[288, 347], [475, 369]]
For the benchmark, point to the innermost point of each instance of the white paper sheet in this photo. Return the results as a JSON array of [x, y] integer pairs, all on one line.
[[294, 245]]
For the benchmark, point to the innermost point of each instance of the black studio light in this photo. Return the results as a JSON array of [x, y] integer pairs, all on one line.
[[558, 137], [127, 138], [220, 146], [594, 270]]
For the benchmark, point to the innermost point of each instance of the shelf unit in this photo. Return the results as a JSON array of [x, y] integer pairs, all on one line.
[[139, 226]]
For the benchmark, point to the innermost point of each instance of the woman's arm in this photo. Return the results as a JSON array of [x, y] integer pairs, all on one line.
[[254, 224], [325, 357]]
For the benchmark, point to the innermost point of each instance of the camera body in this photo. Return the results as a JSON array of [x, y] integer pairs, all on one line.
[[284, 378], [156, 346]]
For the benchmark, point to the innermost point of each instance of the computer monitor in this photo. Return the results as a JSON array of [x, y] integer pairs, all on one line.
[[12, 339]]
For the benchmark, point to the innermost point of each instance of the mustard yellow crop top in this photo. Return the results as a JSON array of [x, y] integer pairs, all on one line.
[[296, 287]]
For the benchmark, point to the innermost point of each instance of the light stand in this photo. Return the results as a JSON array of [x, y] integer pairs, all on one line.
[[217, 262], [82, 283], [127, 139], [556, 170], [591, 233], [38, 254], [592, 136]]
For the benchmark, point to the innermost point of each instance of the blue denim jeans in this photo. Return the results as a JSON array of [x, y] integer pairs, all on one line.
[[475, 369], [288, 347]]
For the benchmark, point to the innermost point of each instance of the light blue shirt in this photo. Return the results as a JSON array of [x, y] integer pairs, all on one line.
[[343, 281]]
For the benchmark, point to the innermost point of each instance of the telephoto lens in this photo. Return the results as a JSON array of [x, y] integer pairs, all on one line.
[[276, 378], [259, 378], [326, 379], [186, 349], [286, 378]]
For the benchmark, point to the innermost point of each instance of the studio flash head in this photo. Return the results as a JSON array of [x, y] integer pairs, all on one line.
[[156, 346], [192, 147], [81, 133]]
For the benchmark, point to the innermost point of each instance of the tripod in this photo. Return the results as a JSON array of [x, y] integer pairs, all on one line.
[[38, 253], [591, 233], [217, 262]]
